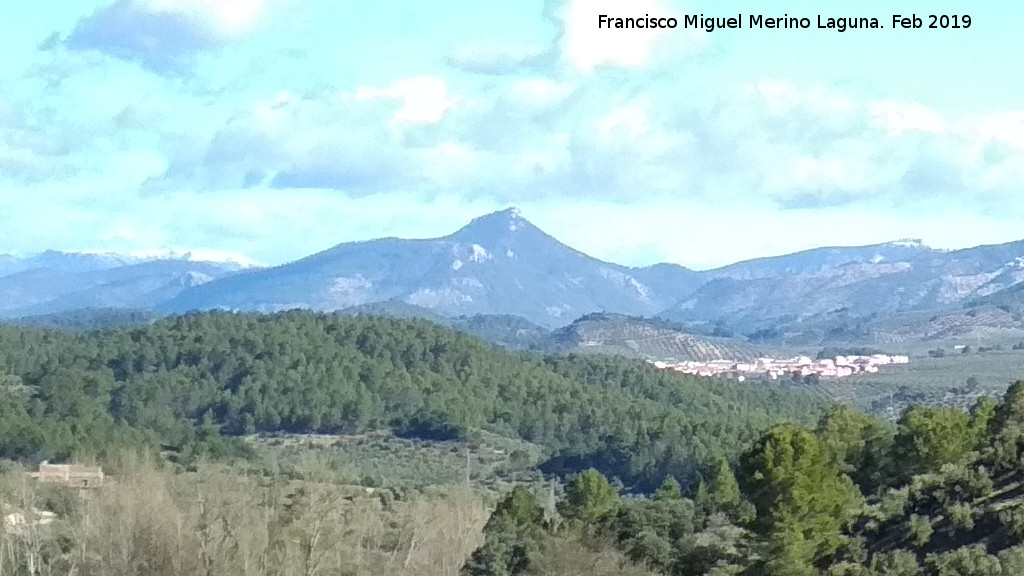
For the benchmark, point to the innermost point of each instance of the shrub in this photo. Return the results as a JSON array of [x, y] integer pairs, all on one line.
[[897, 563], [961, 516], [919, 530], [966, 561], [1012, 560], [894, 504], [1013, 520]]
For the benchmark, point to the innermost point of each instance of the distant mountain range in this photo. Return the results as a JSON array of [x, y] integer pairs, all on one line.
[[498, 264], [502, 265], [54, 282], [859, 281]]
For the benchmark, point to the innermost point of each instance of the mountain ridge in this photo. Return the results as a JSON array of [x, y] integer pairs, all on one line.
[[499, 263], [502, 264]]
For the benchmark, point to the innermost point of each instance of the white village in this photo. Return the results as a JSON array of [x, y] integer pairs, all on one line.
[[799, 366]]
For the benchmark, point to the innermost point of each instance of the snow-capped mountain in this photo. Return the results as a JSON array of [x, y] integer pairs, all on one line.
[[204, 255], [92, 260], [55, 281]]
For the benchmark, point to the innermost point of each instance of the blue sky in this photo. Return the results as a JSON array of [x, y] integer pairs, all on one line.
[[275, 128]]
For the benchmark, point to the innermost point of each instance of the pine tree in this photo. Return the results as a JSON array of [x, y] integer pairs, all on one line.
[[1006, 427], [669, 490], [929, 437], [802, 499], [723, 489], [512, 537], [860, 445], [589, 498]]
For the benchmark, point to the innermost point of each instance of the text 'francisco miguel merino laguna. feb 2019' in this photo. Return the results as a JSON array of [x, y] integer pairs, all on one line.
[[785, 22]]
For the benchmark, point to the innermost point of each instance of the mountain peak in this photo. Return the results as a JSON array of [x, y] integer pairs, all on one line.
[[509, 217], [907, 243], [496, 225]]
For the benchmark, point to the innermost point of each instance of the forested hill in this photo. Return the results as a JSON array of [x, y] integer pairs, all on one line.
[[188, 381], [942, 494]]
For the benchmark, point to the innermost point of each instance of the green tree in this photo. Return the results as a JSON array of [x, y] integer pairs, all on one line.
[[512, 537], [1006, 427], [296, 372], [802, 499], [928, 437], [589, 498], [669, 490], [720, 492], [898, 562], [648, 530], [982, 414], [859, 444], [967, 561]]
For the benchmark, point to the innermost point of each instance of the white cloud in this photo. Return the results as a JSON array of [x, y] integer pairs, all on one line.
[[521, 138], [897, 117], [587, 47], [817, 173], [489, 57], [780, 96], [635, 135], [230, 17], [784, 97], [539, 93], [246, 142], [1005, 128], [425, 99], [624, 123]]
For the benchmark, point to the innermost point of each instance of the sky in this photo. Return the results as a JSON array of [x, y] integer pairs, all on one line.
[[278, 128]]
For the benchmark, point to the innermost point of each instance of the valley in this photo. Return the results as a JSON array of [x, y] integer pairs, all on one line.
[[542, 288], [515, 392], [375, 445]]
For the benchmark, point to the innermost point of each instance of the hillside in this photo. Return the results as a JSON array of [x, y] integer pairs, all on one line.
[[85, 319], [674, 474], [958, 509], [941, 494], [650, 339], [795, 295], [195, 382], [498, 264], [986, 324], [1011, 298], [975, 324], [505, 330]]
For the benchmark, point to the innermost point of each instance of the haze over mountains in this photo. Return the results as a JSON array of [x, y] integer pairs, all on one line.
[[502, 264], [53, 282]]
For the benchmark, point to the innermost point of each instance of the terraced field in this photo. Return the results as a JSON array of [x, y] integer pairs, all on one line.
[[987, 324], [638, 338]]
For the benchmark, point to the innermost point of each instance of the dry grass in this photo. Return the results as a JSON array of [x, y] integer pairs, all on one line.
[[569, 556], [216, 522]]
